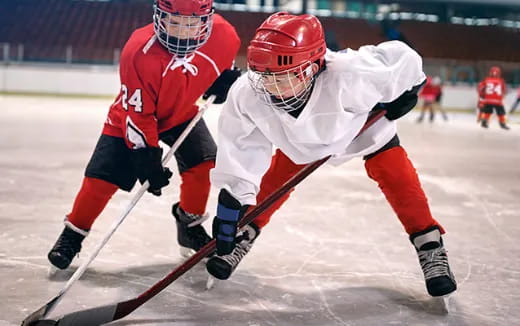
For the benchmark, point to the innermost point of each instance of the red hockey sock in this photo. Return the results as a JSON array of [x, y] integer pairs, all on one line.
[[397, 179], [486, 116], [195, 188], [502, 118], [90, 202], [281, 170]]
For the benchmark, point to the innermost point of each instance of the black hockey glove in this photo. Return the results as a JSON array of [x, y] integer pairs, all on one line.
[[148, 166], [221, 85], [402, 105], [229, 212]]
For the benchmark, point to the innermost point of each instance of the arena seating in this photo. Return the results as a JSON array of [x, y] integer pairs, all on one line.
[[95, 29]]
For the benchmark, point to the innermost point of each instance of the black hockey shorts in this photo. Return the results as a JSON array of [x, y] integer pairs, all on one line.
[[111, 159], [394, 142], [489, 108]]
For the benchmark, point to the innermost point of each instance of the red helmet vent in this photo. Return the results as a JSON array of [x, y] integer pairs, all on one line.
[[285, 60]]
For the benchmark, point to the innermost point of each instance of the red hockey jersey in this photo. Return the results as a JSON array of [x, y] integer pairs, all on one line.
[[491, 90], [430, 91], [159, 91]]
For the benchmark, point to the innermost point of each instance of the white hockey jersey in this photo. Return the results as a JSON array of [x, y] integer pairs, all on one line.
[[343, 95]]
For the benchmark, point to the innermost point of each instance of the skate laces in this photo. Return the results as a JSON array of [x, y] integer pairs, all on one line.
[[244, 243], [434, 262], [69, 243], [241, 249]]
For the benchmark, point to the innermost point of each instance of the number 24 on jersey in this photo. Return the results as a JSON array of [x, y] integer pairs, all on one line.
[[493, 88], [134, 100]]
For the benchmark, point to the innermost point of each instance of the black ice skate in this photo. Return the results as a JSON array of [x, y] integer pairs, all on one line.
[[221, 267], [434, 262], [504, 126], [484, 123], [67, 246], [191, 235]]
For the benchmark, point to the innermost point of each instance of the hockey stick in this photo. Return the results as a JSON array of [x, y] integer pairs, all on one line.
[[108, 313], [49, 306]]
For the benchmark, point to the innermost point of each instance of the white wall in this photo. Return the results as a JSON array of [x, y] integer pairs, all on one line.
[[465, 97], [104, 81], [59, 79]]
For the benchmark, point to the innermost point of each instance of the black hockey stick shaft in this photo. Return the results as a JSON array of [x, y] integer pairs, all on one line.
[[109, 313]]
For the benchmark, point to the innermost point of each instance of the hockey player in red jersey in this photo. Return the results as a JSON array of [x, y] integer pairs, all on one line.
[[491, 92], [310, 102], [164, 68], [431, 96]]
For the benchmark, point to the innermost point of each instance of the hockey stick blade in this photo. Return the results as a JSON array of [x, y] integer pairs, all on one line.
[[49, 306], [39, 314], [122, 309], [105, 314], [89, 317]]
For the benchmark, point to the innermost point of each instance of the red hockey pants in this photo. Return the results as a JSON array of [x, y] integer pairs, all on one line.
[[391, 169], [94, 195]]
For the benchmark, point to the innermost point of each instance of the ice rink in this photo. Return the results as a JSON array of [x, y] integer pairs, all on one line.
[[335, 254]]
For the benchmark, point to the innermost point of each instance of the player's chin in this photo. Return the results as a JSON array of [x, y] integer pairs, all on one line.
[[281, 97]]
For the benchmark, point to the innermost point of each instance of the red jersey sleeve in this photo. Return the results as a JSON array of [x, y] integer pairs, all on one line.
[[480, 89]]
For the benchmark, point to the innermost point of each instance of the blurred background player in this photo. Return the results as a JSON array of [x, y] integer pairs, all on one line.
[[491, 90], [431, 95], [310, 102], [164, 68], [513, 107]]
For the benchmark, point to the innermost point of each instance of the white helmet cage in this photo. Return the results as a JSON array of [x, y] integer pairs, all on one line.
[[281, 90], [189, 36]]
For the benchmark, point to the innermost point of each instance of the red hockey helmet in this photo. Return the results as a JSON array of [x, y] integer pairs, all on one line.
[[282, 59], [183, 26], [186, 7], [494, 71], [286, 41]]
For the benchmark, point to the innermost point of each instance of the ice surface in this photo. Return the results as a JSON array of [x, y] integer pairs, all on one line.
[[335, 254]]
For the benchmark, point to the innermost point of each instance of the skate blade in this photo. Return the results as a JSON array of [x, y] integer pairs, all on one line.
[[211, 282], [56, 274], [445, 303], [188, 252]]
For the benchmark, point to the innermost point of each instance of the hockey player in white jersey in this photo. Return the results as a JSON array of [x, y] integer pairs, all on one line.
[[309, 102]]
